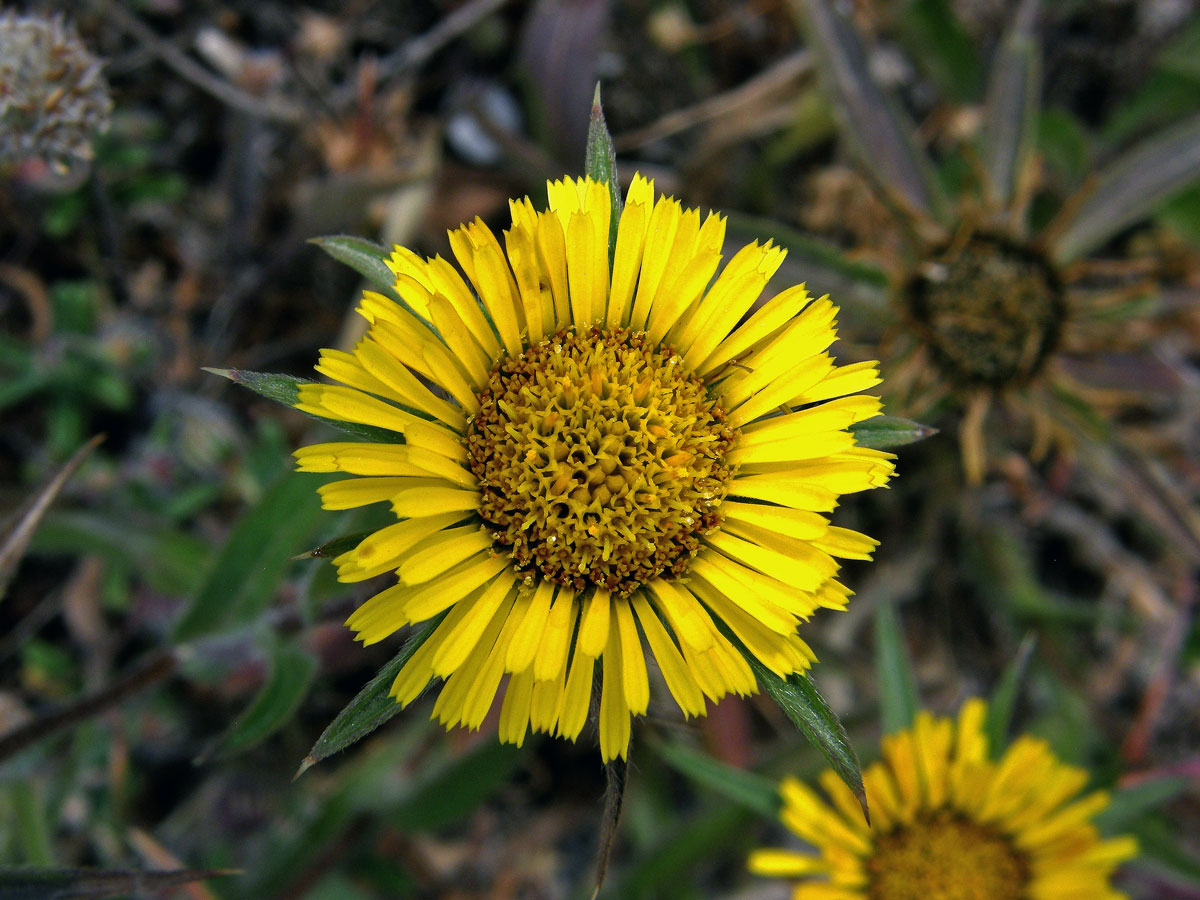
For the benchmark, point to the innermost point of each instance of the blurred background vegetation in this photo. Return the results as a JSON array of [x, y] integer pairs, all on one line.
[[164, 665]]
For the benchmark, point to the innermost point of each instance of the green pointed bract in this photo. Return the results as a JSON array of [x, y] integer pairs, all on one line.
[[285, 389], [889, 432], [899, 699], [798, 698], [372, 707], [600, 164]]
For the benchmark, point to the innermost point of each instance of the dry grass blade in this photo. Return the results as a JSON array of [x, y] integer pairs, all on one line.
[[1012, 103], [16, 537], [273, 108], [880, 133], [158, 668], [616, 772], [80, 884], [1128, 189], [781, 76]]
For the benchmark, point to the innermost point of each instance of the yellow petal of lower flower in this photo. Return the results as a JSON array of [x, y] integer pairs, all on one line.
[[614, 711], [471, 634], [384, 550], [441, 551], [633, 661], [784, 863], [514, 711], [576, 698], [432, 501], [551, 656], [593, 627], [454, 584], [687, 616], [352, 493], [675, 672], [534, 610]]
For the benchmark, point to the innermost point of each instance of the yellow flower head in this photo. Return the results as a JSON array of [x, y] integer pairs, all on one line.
[[948, 823], [590, 462]]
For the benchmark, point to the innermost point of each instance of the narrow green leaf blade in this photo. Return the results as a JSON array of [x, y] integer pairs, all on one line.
[[93, 884], [1128, 804], [600, 162], [288, 680], [872, 122], [335, 547], [166, 559], [364, 257], [1013, 95], [15, 538], [373, 705], [249, 568], [754, 792], [809, 250], [801, 702], [1004, 698], [899, 699], [1128, 189], [888, 432], [453, 791], [285, 389], [943, 47]]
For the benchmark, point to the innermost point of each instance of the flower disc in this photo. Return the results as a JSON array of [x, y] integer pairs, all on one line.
[[949, 822], [600, 460], [989, 311]]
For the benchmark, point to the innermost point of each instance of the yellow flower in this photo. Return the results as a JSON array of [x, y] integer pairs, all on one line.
[[594, 462], [948, 823]]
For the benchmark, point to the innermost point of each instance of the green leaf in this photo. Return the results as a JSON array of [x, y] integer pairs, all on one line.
[[692, 843], [898, 696], [291, 673], [1064, 142], [808, 250], [364, 257], [93, 884], [1128, 804], [459, 787], [1013, 97], [887, 432], [1128, 189], [167, 560], [747, 789], [285, 389], [872, 122], [335, 547], [33, 825], [1168, 94], [251, 565], [1159, 840], [600, 163], [1004, 698], [373, 705], [943, 47], [801, 702]]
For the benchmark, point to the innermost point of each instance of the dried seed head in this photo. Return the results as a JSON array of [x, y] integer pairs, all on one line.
[[990, 311], [53, 99]]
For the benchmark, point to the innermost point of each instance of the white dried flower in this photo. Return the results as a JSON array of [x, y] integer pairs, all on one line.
[[53, 98]]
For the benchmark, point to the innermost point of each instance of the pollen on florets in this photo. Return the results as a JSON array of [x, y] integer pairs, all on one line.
[[944, 856], [600, 460]]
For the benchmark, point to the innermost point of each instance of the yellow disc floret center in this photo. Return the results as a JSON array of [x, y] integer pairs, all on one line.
[[600, 460], [942, 856]]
